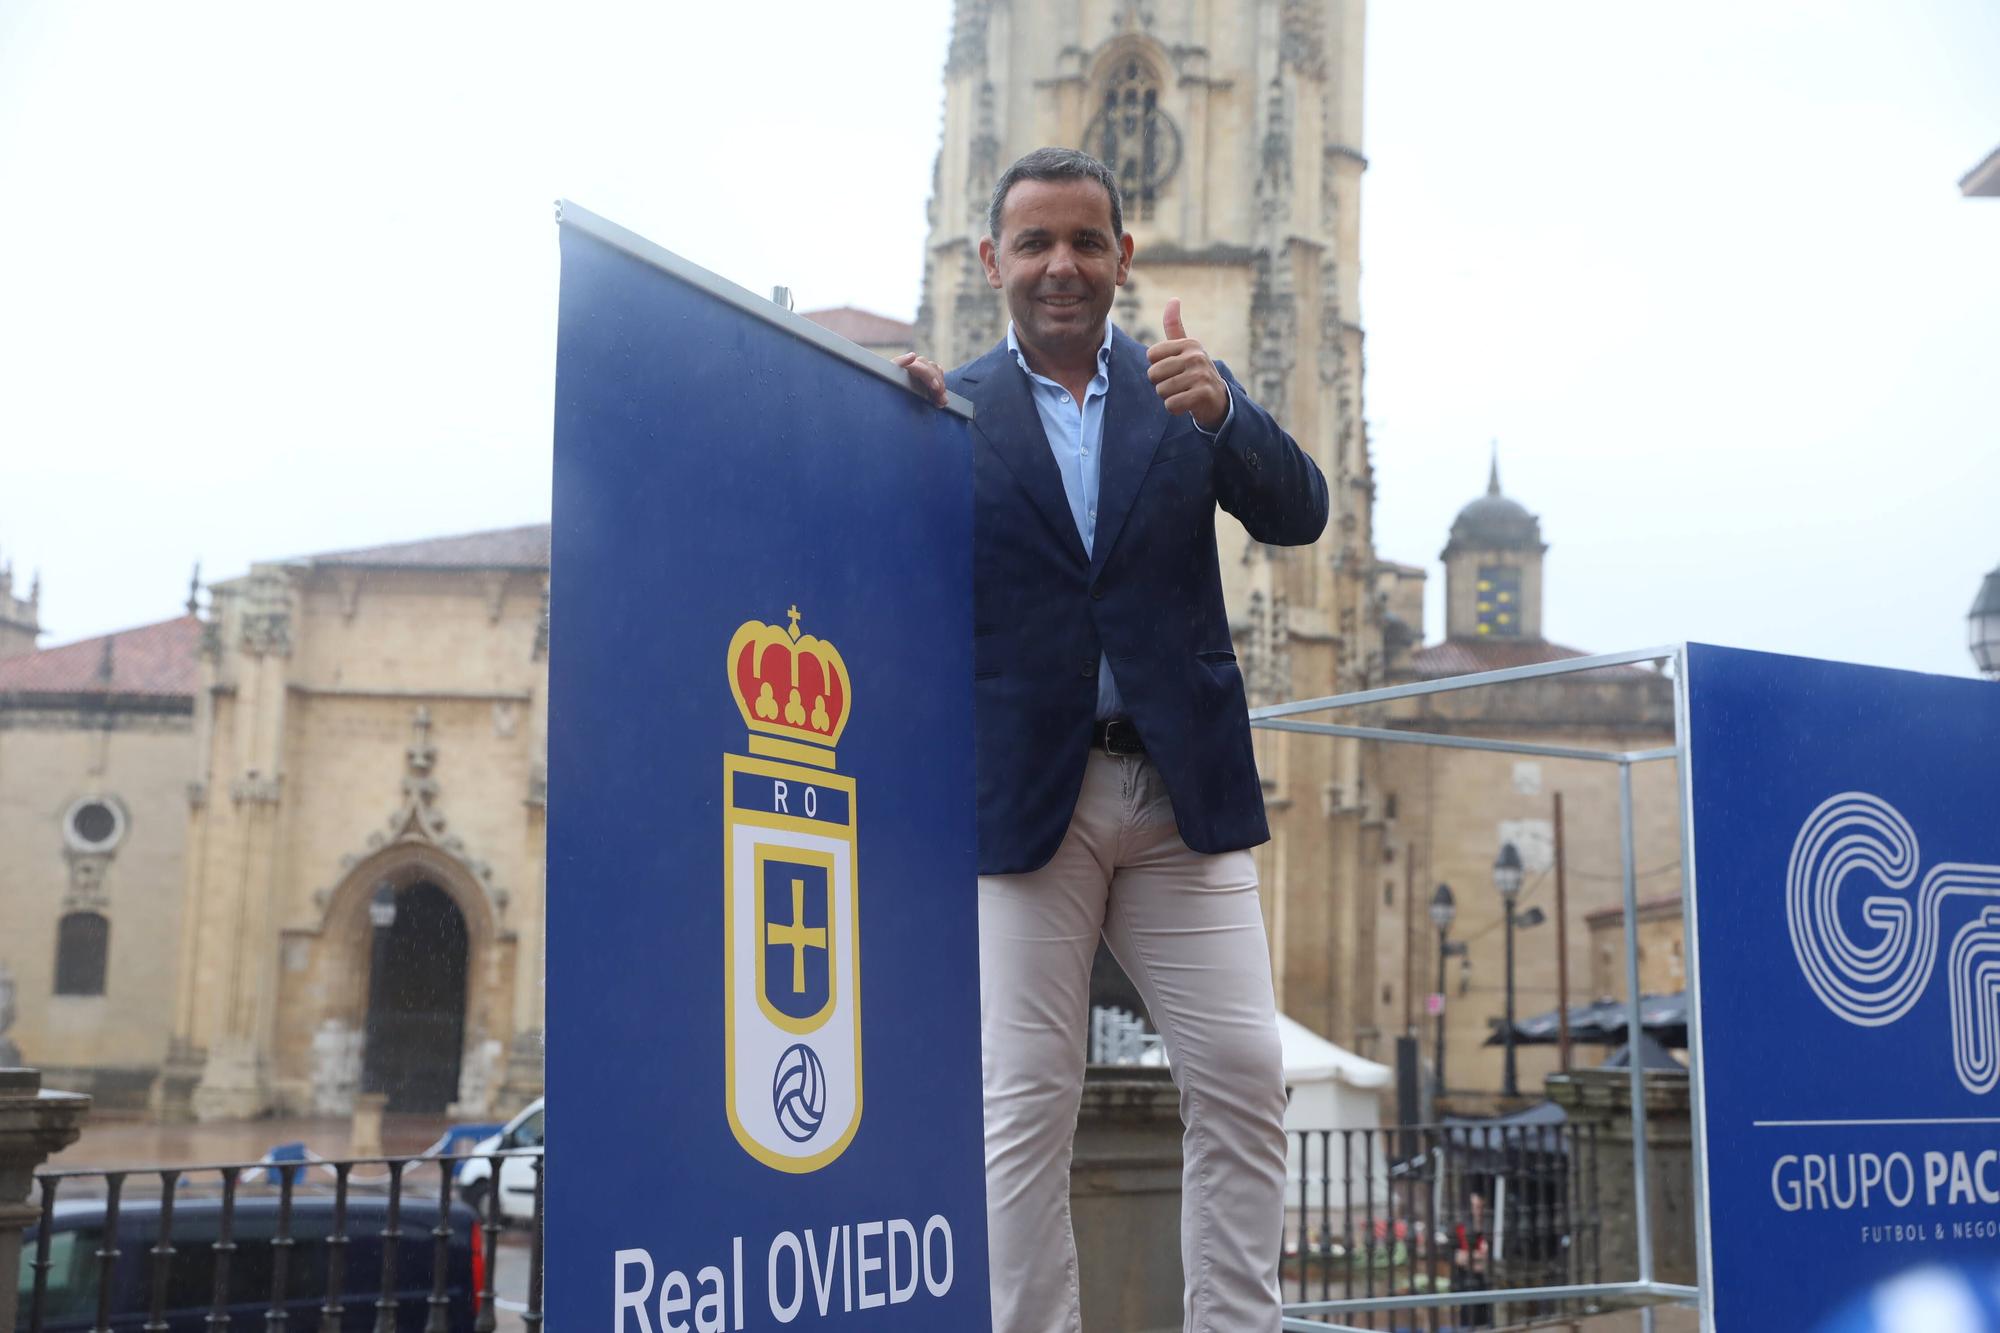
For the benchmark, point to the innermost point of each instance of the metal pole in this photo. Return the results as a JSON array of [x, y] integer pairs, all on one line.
[[1508, 1085], [1384, 694], [1692, 952], [1409, 943], [1436, 1113], [1641, 1177], [1562, 947]]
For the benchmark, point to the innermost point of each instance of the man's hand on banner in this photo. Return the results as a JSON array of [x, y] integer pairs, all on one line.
[[926, 376], [1185, 376]]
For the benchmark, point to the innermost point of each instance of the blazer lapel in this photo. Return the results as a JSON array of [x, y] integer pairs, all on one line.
[[1006, 416], [1134, 421]]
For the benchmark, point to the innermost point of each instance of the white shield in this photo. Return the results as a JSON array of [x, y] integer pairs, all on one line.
[[792, 966]]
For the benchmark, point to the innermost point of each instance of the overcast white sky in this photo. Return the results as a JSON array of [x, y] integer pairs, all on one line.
[[275, 281]]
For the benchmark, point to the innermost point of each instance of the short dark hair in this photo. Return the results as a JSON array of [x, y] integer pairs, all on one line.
[[1055, 164]]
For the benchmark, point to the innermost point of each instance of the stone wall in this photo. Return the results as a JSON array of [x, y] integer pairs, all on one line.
[[1125, 1201], [133, 756], [1602, 1099]]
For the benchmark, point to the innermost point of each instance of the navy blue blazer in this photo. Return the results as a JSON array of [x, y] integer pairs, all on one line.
[[1149, 598]]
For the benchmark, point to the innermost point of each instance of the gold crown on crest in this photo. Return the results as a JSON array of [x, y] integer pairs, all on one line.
[[789, 686]]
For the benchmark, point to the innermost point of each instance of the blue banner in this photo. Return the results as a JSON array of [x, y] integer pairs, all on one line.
[[763, 999], [1847, 857]]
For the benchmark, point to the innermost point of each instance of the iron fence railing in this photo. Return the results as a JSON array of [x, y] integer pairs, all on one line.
[[357, 1245], [389, 1245], [1425, 1210]]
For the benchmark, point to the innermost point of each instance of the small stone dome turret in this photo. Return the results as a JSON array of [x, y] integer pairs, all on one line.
[[1494, 523]]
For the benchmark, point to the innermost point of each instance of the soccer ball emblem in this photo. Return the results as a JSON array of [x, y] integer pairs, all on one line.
[[798, 1092]]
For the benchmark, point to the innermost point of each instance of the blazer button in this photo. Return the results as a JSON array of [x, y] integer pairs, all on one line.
[[1097, 594], [1089, 668]]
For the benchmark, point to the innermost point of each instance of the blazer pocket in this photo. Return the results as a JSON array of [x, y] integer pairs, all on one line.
[[1178, 448], [1216, 657]]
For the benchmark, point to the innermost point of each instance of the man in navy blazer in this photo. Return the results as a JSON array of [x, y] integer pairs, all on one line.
[[1118, 792]]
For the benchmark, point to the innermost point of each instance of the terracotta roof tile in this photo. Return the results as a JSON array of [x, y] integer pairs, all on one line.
[[1464, 657], [503, 548], [863, 326], [157, 660]]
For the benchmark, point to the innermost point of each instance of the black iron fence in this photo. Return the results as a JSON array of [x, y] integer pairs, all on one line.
[[392, 1245], [361, 1245], [1432, 1209]]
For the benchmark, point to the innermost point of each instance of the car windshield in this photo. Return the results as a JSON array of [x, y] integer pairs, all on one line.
[[72, 1274], [527, 1134]]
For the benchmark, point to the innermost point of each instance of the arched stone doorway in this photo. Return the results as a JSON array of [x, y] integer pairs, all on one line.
[[417, 988]]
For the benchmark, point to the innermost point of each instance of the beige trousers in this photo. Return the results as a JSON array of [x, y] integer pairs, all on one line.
[[1188, 930]]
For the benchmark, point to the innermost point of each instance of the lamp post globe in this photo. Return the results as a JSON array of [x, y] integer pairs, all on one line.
[[1982, 625], [1444, 910], [1507, 871]]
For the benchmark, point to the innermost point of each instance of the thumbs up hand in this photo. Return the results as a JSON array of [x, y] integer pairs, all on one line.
[[1184, 375]]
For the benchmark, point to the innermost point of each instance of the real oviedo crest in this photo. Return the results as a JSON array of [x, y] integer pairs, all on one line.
[[792, 960]]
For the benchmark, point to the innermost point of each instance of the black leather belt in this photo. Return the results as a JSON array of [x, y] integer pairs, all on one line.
[[1117, 736]]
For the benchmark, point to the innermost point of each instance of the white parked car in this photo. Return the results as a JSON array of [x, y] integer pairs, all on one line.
[[517, 1174]]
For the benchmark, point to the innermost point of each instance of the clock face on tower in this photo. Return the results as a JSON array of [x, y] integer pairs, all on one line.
[[1497, 602]]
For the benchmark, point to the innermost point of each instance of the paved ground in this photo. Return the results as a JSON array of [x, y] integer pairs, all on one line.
[[111, 1144]]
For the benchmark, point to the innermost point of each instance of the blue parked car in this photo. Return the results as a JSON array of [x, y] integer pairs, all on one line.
[[71, 1294]]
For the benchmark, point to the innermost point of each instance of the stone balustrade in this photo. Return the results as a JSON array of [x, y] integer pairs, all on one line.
[[34, 1125]]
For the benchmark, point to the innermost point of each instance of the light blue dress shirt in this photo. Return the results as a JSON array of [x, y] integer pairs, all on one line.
[[1076, 438]]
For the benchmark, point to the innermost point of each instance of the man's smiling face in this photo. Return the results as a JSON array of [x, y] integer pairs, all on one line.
[[1060, 264]]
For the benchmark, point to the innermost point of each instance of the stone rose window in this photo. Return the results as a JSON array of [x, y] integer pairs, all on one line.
[[94, 824]]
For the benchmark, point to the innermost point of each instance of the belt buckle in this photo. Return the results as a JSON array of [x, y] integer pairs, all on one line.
[[1114, 729]]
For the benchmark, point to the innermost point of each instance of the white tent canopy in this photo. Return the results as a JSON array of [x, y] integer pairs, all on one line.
[[1329, 1088], [1311, 1058]]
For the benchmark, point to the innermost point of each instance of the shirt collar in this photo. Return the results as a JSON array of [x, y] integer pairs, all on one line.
[[1103, 351]]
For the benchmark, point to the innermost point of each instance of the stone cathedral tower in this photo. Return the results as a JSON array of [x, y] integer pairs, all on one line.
[[1234, 127]]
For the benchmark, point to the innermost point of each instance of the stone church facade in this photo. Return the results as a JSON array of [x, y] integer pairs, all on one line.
[[1234, 129], [264, 859], [96, 744], [370, 739]]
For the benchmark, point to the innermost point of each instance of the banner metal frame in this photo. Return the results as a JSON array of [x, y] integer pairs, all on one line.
[[1673, 658], [694, 275]]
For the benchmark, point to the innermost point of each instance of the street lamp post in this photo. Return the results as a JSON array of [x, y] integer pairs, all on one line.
[[1443, 909], [1507, 879], [1982, 625]]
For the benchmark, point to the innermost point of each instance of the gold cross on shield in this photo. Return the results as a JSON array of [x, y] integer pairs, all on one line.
[[797, 937]]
